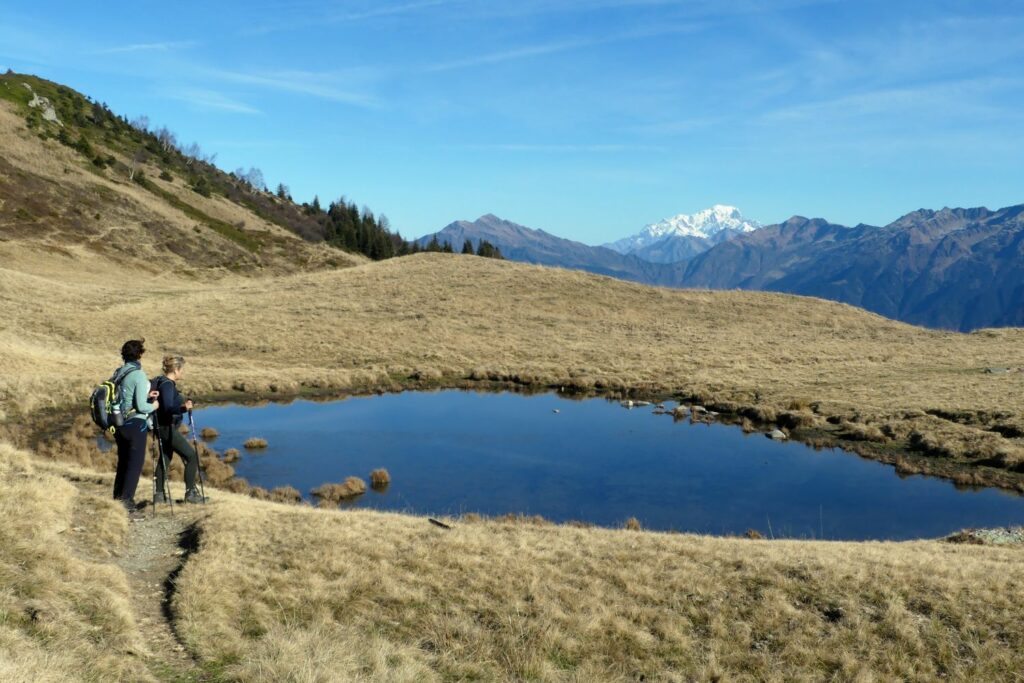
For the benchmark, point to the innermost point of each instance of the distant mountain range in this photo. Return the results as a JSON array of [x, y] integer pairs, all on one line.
[[953, 269]]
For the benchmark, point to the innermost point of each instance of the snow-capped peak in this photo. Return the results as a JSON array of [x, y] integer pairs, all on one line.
[[706, 224]]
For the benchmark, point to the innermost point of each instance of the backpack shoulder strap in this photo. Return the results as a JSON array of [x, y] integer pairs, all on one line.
[[124, 371]]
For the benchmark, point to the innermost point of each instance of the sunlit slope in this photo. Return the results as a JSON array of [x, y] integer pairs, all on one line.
[[381, 597], [54, 200], [439, 315]]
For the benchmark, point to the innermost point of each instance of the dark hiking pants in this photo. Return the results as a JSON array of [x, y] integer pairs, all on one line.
[[173, 442], [131, 455]]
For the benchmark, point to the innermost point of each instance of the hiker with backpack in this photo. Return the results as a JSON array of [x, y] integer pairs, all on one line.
[[169, 418], [133, 403]]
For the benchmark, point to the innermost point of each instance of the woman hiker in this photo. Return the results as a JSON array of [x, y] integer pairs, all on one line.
[[173, 441], [137, 402]]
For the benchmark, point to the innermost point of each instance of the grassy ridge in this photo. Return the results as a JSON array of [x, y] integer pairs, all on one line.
[[299, 594]]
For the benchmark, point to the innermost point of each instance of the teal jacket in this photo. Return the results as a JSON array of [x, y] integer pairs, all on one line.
[[134, 392]]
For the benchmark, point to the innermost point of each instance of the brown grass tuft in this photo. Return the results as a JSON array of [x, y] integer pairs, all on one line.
[[285, 494], [632, 524], [255, 443], [232, 455], [857, 431], [335, 493], [209, 433], [380, 478]]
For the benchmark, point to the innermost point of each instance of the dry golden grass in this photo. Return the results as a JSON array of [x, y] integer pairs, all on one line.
[[62, 617], [209, 433], [441, 318], [255, 443], [298, 594]]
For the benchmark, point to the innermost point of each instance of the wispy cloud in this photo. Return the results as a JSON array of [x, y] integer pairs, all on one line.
[[945, 99], [676, 126], [388, 10], [211, 100], [166, 46], [558, 148], [527, 51], [321, 85], [371, 12]]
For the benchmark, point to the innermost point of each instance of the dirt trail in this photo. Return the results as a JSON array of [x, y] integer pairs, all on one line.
[[157, 548]]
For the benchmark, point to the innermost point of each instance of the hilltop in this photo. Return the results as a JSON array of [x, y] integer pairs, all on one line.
[[947, 269]]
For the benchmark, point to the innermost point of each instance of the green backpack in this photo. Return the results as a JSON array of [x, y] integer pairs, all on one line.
[[105, 400]]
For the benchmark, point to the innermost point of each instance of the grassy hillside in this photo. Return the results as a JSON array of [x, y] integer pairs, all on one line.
[[819, 369], [375, 596], [289, 593], [91, 184]]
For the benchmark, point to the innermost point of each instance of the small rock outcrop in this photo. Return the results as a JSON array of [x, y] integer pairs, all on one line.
[[44, 105], [777, 435]]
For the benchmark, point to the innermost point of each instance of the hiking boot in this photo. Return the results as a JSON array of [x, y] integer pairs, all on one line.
[[192, 496], [159, 498]]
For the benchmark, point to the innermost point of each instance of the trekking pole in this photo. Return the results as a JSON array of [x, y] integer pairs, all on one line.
[[164, 465], [155, 467], [195, 446]]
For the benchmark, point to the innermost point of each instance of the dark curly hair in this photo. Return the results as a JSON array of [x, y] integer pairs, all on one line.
[[133, 349]]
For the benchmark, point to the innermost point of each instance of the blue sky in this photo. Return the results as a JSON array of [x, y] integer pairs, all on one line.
[[587, 118]]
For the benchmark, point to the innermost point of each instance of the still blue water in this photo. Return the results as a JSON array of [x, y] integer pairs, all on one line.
[[453, 452]]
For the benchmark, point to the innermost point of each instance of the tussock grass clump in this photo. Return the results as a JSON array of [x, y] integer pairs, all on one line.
[[335, 493], [218, 472], [232, 455], [632, 524], [857, 431], [380, 478], [255, 443], [285, 494], [238, 485], [209, 433], [520, 518], [795, 419]]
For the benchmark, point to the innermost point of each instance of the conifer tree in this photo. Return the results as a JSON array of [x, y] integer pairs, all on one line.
[[467, 247]]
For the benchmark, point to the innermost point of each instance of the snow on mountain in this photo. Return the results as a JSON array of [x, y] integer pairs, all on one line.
[[715, 225]]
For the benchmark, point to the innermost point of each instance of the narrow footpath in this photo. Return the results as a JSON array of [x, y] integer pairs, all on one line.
[[156, 550]]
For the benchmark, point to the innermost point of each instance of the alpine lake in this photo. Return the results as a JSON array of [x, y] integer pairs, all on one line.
[[591, 460]]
